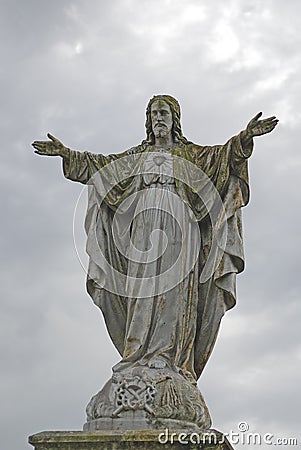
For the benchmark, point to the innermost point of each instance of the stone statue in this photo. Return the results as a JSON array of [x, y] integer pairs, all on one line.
[[164, 203]]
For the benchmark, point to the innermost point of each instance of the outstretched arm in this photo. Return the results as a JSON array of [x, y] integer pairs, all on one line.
[[75, 164], [53, 147], [242, 144], [257, 127]]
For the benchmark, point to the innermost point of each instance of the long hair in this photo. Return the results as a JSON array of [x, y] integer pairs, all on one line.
[[176, 116]]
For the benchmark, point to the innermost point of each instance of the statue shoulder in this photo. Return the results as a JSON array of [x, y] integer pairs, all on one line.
[[133, 150], [195, 149], [200, 150], [122, 154]]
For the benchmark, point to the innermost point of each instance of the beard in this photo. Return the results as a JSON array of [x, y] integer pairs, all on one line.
[[160, 131]]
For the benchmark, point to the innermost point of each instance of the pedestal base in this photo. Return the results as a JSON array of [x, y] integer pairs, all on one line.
[[129, 440], [133, 421], [143, 398]]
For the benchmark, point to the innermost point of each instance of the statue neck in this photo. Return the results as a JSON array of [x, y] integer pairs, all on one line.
[[164, 141]]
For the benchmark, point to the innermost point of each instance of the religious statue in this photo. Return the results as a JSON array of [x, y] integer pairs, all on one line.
[[165, 243]]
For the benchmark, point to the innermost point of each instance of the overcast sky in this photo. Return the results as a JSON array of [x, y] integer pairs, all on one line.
[[84, 71]]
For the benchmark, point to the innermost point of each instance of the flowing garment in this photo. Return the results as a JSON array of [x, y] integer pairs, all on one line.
[[134, 219]]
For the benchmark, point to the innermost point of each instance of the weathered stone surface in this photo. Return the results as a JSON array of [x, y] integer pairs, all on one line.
[[129, 440], [164, 239], [149, 399]]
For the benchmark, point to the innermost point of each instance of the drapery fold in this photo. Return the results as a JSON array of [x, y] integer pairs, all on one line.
[[195, 307]]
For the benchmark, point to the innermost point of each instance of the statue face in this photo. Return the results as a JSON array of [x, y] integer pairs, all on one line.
[[161, 117]]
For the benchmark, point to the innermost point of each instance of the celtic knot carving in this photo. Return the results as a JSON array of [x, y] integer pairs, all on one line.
[[134, 393]]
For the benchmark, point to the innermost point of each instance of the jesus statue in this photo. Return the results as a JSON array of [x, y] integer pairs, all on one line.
[[165, 243]]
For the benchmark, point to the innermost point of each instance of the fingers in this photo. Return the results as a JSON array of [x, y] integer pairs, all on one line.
[[270, 120], [39, 145], [41, 151], [52, 138], [42, 147], [257, 116], [253, 122], [270, 123], [266, 125], [267, 120], [48, 148]]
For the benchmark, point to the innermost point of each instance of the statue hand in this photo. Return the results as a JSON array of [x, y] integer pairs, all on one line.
[[259, 127], [54, 147]]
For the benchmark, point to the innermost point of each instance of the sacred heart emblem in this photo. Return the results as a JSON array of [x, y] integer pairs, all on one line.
[[158, 160]]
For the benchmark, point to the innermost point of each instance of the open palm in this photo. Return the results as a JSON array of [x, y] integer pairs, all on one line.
[[53, 147], [259, 127]]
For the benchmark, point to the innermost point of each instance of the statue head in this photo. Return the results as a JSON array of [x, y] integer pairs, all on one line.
[[176, 119]]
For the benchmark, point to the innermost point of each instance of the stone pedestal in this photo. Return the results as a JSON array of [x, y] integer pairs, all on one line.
[[143, 398], [129, 440]]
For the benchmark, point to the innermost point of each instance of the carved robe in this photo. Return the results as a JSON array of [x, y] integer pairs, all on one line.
[[179, 325]]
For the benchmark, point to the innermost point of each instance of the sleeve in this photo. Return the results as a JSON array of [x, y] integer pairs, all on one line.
[[241, 150], [81, 166]]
